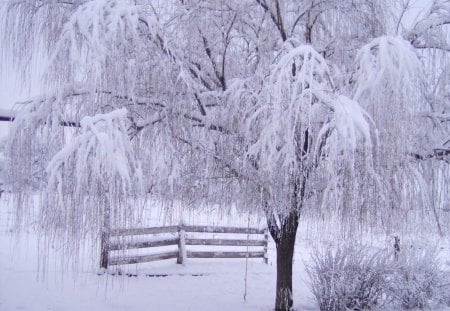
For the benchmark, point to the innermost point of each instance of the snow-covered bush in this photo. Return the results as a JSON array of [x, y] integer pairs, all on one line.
[[419, 281], [357, 278], [348, 278]]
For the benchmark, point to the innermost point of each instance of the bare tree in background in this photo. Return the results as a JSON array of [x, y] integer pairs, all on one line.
[[254, 102]]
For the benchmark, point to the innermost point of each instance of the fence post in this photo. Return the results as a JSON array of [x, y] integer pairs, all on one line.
[[181, 246], [104, 250], [104, 238], [266, 244]]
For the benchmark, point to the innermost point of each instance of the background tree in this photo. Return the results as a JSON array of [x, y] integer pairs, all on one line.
[[246, 102]]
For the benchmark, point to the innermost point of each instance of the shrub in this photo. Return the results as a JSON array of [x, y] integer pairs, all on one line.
[[348, 278], [419, 281], [355, 278]]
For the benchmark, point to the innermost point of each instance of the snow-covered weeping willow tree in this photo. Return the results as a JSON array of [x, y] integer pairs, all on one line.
[[74, 138], [301, 136], [252, 103], [389, 82]]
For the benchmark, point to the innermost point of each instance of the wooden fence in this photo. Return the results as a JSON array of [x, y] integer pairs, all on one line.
[[109, 242]]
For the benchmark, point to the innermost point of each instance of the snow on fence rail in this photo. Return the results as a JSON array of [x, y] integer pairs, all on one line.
[[108, 244]]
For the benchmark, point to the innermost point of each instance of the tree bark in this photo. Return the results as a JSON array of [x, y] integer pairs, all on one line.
[[285, 244]]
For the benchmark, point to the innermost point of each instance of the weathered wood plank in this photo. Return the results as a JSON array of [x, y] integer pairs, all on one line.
[[139, 231], [191, 254], [210, 229], [266, 246], [173, 229], [143, 258], [225, 242], [104, 248], [181, 259], [132, 245]]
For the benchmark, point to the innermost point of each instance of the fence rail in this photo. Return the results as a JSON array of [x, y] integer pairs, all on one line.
[[225, 254], [142, 231], [225, 242], [145, 244], [109, 243], [142, 258]]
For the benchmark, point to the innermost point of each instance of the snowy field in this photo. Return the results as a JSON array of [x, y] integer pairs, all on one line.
[[201, 284]]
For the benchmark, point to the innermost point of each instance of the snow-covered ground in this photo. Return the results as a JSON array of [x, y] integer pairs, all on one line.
[[201, 284]]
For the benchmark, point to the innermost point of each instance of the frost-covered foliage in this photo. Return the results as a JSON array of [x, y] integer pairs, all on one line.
[[387, 80], [92, 179], [36, 135], [349, 278], [99, 37], [432, 29], [388, 83], [354, 277], [299, 99], [419, 280], [299, 122], [100, 159]]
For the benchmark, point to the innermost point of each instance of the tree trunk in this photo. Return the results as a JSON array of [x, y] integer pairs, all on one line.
[[285, 243]]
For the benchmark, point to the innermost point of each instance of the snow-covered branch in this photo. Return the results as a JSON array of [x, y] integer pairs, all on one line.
[[299, 123], [430, 32], [92, 179]]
